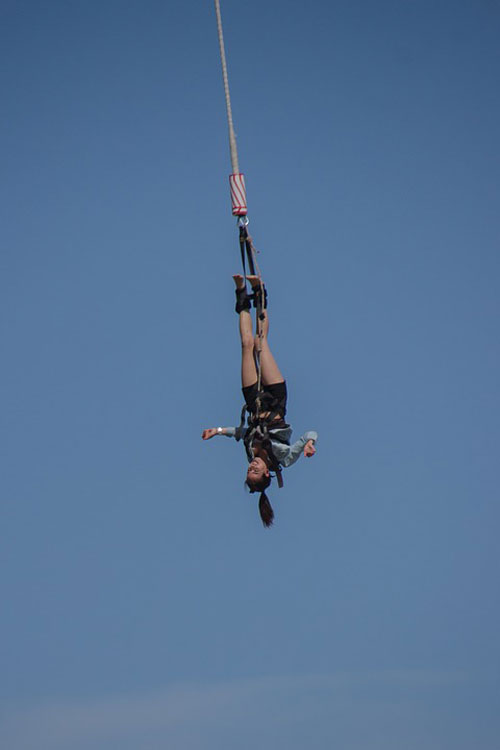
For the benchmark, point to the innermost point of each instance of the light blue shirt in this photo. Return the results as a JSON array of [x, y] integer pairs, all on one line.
[[285, 454]]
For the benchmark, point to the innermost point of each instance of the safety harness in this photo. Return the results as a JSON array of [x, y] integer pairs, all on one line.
[[263, 430]]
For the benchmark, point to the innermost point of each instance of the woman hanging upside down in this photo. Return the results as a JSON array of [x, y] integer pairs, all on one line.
[[267, 435]]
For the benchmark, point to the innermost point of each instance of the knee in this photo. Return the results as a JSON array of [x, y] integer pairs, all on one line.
[[247, 341]]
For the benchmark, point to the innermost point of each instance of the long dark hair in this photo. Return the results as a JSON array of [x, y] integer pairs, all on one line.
[[265, 507]]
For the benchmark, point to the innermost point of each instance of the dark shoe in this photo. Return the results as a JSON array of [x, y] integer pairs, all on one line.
[[242, 300]]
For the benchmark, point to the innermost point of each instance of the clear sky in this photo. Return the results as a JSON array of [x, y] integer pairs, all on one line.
[[144, 606]]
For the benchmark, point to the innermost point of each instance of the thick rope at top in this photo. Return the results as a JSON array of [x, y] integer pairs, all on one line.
[[236, 179], [232, 137]]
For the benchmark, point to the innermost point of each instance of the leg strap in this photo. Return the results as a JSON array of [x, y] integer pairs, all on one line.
[[242, 300], [260, 300]]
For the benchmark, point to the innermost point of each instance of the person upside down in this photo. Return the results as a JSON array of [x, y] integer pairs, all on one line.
[[267, 436]]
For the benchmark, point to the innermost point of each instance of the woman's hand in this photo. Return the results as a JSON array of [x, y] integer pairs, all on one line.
[[309, 449], [207, 434]]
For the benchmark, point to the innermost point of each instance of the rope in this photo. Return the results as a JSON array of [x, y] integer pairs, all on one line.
[[232, 137], [239, 203]]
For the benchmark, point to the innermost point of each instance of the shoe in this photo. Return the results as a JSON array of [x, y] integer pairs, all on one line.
[[242, 300]]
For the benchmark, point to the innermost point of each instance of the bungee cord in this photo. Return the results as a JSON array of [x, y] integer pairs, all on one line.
[[232, 138], [239, 203]]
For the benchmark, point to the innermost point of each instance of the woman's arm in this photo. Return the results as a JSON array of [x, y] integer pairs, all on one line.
[[305, 444], [212, 431]]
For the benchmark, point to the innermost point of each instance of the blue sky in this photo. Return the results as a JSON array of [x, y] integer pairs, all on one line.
[[143, 602]]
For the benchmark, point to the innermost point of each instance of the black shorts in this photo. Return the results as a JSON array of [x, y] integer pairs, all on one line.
[[276, 398]]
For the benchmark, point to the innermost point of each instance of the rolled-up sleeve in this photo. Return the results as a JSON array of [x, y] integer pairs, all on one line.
[[311, 435], [296, 449]]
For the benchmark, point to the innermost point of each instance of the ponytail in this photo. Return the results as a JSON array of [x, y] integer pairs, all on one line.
[[265, 510]]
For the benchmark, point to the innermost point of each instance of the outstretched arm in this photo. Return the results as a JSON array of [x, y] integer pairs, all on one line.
[[212, 431]]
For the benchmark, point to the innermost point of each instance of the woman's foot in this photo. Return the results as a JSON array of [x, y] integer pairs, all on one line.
[[254, 281], [239, 281]]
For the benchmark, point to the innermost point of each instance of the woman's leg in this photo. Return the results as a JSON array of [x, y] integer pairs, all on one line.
[[270, 372], [248, 369]]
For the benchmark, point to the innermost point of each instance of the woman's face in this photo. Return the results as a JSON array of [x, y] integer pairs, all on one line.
[[257, 470]]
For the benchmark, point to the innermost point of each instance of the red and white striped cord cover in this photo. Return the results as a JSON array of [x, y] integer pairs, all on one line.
[[238, 194]]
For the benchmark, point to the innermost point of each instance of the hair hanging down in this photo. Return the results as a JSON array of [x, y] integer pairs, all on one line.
[[265, 508]]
